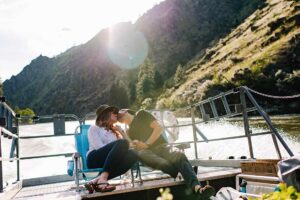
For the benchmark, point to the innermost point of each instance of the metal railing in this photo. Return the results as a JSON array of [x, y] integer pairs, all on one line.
[[10, 128], [237, 102], [243, 103]]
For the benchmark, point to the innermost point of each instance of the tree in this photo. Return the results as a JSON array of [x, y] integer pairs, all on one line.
[[145, 80], [119, 95], [158, 80], [179, 75], [27, 112]]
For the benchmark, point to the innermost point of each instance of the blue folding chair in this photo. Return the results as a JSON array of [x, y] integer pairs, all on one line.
[[79, 163], [80, 159]]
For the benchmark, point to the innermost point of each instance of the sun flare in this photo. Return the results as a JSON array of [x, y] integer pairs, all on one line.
[[50, 27]]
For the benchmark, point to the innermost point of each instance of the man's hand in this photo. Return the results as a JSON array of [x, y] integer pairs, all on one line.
[[139, 145]]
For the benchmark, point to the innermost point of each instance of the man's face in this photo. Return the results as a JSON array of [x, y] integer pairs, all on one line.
[[121, 115]]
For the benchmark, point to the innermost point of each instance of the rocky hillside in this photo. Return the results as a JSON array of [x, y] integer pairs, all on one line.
[[262, 53], [177, 30], [83, 77]]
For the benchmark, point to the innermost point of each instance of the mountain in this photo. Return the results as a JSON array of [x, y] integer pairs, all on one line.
[[263, 53], [85, 76], [177, 30], [72, 82]]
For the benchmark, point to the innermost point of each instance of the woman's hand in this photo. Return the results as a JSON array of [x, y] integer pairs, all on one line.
[[117, 128], [139, 145]]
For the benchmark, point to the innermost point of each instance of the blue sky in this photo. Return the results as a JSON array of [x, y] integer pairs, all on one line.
[[29, 28]]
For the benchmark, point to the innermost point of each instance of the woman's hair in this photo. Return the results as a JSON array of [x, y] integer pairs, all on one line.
[[103, 120]]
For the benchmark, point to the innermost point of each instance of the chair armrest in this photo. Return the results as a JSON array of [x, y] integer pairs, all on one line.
[[76, 155]]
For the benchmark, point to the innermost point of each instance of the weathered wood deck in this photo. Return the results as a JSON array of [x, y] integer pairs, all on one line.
[[216, 176]]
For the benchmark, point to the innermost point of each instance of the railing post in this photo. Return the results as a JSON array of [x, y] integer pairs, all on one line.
[[225, 104], [194, 131], [1, 172], [268, 120], [246, 121], [18, 149], [214, 109]]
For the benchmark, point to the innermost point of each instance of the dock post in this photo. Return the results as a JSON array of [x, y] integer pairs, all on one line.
[[194, 131], [246, 121]]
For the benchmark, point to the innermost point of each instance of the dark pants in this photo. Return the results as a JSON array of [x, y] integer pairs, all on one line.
[[115, 158], [170, 162]]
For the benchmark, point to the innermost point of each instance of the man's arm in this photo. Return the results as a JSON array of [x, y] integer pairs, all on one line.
[[157, 131]]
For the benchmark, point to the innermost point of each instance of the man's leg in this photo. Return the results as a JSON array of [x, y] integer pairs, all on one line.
[[149, 158], [181, 163]]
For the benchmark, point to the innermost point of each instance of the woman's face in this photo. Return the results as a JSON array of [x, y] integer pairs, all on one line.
[[113, 116]]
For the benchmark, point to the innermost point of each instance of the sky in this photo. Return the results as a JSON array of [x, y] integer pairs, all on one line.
[[29, 28]]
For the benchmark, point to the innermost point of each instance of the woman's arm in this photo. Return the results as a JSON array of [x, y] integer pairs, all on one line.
[[94, 138], [122, 132]]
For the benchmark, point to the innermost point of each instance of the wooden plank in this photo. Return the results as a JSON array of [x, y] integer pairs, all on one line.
[[162, 183]]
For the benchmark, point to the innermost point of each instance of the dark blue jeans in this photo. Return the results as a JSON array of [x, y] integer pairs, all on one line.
[[170, 162], [115, 158]]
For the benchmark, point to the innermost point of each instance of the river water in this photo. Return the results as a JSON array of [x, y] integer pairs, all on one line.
[[263, 147]]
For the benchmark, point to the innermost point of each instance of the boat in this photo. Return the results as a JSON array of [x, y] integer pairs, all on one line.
[[219, 173]]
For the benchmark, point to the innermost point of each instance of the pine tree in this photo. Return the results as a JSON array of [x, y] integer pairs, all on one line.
[[158, 80], [179, 75], [119, 95], [145, 80]]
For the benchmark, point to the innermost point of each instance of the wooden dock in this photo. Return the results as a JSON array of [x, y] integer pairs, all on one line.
[[149, 190]]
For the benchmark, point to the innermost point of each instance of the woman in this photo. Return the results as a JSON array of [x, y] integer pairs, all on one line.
[[107, 150], [146, 135]]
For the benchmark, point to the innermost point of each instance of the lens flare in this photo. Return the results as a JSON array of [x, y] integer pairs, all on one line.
[[128, 47]]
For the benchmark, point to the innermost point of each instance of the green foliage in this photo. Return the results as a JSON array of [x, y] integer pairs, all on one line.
[[179, 75], [26, 112], [145, 80], [283, 193], [147, 104], [119, 95], [158, 80], [165, 194]]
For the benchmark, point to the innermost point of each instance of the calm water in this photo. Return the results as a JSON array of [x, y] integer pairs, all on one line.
[[288, 127]]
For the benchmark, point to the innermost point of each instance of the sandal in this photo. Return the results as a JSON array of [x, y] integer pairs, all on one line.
[[206, 192], [89, 187], [103, 187]]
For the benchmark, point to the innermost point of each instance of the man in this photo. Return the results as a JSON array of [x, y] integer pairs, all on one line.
[[147, 137]]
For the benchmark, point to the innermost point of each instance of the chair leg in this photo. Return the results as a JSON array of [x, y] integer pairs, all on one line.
[[140, 175], [132, 178], [77, 175]]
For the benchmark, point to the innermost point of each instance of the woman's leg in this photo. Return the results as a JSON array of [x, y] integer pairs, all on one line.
[[128, 161], [108, 158]]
